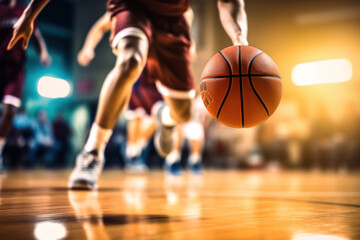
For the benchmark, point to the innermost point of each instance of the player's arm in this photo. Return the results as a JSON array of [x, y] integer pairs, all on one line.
[[93, 38], [23, 28], [189, 17], [234, 20], [41, 48]]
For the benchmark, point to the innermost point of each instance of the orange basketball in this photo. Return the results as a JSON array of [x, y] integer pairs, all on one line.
[[241, 86]]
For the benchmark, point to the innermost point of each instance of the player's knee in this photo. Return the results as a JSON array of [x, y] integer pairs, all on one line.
[[132, 55], [130, 63]]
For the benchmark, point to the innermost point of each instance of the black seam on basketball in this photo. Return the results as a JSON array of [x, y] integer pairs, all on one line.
[[241, 90], [252, 86], [260, 75], [229, 87], [242, 75]]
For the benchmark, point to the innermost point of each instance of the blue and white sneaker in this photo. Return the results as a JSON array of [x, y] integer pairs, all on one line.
[[195, 168], [88, 168], [135, 165], [174, 168]]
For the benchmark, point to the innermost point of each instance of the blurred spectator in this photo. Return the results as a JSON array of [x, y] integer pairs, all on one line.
[[322, 132], [62, 133], [44, 142], [346, 138]]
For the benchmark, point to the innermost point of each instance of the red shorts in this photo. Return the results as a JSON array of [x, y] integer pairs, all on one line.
[[144, 95], [169, 45], [11, 83]]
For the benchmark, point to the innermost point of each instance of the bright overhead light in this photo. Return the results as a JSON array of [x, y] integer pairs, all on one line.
[[51, 87], [329, 71]]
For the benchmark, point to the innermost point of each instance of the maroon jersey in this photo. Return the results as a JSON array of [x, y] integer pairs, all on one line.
[[8, 17], [159, 7]]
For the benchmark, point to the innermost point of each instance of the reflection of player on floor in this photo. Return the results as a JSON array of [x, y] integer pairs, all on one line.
[[193, 132], [144, 95], [155, 34], [12, 66]]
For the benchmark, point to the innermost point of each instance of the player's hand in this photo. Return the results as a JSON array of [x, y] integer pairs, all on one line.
[[45, 59], [240, 40], [85, 56], [23, 29]]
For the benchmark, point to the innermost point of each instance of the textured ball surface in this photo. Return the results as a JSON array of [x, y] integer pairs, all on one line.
[[241, 86]]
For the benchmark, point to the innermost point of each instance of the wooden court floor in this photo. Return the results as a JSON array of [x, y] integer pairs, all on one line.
[[216, 205]]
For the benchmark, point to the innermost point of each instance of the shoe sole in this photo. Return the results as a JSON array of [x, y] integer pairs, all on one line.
[[82, 185]]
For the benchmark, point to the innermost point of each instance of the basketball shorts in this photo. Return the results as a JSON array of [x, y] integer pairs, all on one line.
[[11, 83], [144, 96], [169, 47]]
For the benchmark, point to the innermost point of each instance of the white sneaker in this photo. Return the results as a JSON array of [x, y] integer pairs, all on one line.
[[87, 171], [164, 136]]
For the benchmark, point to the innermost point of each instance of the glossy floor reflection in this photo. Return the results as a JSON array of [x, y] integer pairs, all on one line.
[[217, 205]]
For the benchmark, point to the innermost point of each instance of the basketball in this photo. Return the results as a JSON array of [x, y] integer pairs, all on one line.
[[241, 86]]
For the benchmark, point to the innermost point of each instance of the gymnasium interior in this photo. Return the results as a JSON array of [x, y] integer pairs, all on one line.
[[295, 176]]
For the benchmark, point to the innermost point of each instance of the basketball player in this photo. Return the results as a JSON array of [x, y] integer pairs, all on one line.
[[152, 32], [12, 67], [144, 95]]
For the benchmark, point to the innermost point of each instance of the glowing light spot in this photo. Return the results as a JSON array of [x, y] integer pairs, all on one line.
[[308, 236], [329, 71], [49, 231], [51, 87]]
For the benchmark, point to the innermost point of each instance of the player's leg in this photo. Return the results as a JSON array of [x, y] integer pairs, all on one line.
[[175, 80], [114, 96], [116, 90], [144, 131], [144, 98], [134, 146], [177, 110], [172, 160], [133, 134], [148, 127], [8, 113], [12, 87], [194, 133]]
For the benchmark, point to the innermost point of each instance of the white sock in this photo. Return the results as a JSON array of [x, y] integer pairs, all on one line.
[[141, 143], [194, 158], [174, 156], [133, 149], [98, 138], [166, 119]]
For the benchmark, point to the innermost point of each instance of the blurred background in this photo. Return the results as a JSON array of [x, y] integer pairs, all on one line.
[[315, 127]]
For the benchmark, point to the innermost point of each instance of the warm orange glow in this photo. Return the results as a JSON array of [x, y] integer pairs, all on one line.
[[329, 71], [317, 237]]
